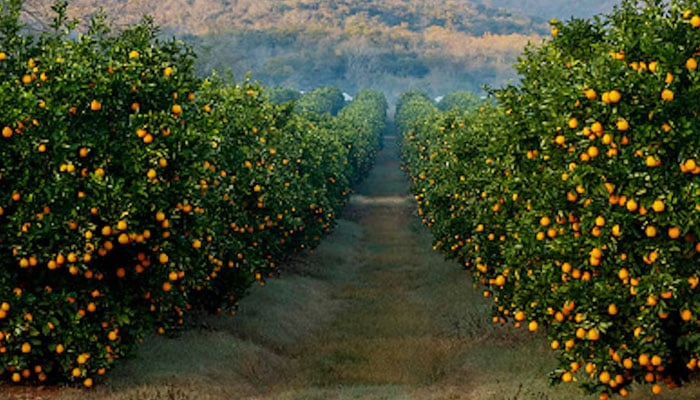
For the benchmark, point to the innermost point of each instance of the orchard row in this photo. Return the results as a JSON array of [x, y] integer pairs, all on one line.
[[133, 192], [574, 199]]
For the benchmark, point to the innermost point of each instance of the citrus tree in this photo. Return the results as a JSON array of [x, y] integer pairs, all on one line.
[[578, 208], [133, 192]]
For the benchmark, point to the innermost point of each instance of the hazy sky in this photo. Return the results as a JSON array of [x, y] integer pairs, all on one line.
[[562, 9]]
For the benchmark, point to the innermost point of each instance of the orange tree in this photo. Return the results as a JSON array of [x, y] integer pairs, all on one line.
[[132, 192], [579, 209], [95, 153]]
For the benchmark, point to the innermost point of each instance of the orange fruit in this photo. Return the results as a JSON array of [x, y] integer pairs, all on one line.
[[674, 232], [590, 94], [26, 347], [83, 358], [597, 128], [163, 258], [533, 326], [567, 377], [95, 105], [593, 334], [622, 125], [650, 231], [667, 95], [658, 206], [686, 315], [614, 96]]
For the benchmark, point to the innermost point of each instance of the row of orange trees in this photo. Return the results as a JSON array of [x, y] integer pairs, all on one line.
[[133, 192], [574, 198]]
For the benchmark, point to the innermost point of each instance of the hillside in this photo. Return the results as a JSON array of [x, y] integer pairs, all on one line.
[[432, 45]]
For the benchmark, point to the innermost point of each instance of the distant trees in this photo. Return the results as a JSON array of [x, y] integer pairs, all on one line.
[[461, 100]]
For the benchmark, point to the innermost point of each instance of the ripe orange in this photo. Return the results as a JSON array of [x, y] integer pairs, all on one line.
[[95, 105], [650, 231], [667, 95], [593, 334], [614, 96], [686, 315], [163, 258], [622, 125], [658, 206], [597, 128], [83, 358], [533, 326], [590, 94], [7, 132], [567, 377], [26, 347], [674, 232], [691, 64], [160, 216]]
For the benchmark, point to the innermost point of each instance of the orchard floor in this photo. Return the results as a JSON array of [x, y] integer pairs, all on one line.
[[373, 313]]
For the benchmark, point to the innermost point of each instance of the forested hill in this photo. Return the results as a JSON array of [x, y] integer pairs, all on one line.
[[201, 17], [392, 45]]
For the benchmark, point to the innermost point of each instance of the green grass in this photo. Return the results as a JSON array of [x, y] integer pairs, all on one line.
[[373, 313]]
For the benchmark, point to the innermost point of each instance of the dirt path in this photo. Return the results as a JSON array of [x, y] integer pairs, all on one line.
[[373, 313]]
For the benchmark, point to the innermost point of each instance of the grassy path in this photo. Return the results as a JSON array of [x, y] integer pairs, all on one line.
[[373, 313]]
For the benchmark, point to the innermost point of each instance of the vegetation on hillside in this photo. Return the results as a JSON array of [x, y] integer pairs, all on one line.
[[435, 46]]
